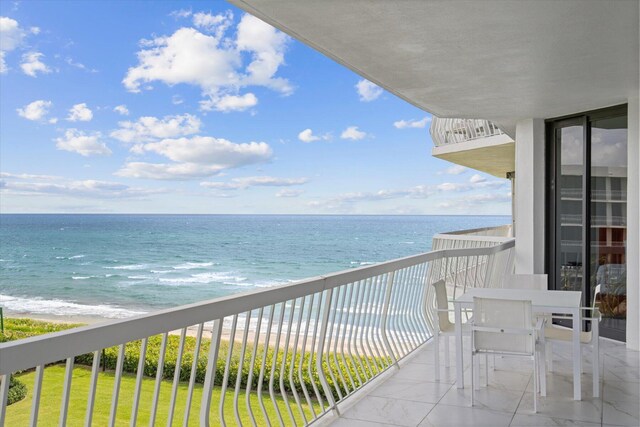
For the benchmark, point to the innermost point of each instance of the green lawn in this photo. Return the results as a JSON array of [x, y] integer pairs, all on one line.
[[18, 413]]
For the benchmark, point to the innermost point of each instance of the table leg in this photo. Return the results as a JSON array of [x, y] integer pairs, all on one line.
[[459, 350], [577, 355]]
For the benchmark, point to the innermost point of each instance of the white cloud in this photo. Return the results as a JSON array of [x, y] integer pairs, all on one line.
[[31, 64], [454, 170], [34, 30], [36, 111], [11, 36], [80, 66], [345, 200], [80, 113], [217, 24], [229, 103], [28, 176], [368, 91], [353, 133], [341, 200], [122, 110], [308, 136], [148, 128], [82, 143], [55, 185], [214, 61], [254, 181], [267, 46], [195, 157], [416, 124], [168, 171], [210, 150], [475, 182], [182, 13], [177, 100], [475, 201], [287, 192], [477, 178]]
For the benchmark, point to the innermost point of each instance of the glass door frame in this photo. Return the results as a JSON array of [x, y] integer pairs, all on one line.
[[553, 194]]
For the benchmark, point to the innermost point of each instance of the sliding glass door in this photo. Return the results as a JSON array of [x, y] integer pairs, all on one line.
[[587, 195]]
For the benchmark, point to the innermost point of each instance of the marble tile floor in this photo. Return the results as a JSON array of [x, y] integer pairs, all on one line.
[[411, 397]]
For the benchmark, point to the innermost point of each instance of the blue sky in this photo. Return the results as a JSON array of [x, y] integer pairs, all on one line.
[[171, 107]]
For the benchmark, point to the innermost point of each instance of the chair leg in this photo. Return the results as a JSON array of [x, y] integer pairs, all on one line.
[[549, 354], [473, 386], [582, 367], [446, 351], [596, 368], [542, 372], [486, 370], [437, 356], [476, 371], [535, 385]]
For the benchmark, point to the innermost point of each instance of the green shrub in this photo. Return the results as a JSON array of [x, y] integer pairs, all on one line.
[[17, 391], [353, 370]]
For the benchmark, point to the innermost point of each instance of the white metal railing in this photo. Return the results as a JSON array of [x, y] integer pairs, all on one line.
[[446, 131], [488, 271], [282, 356]]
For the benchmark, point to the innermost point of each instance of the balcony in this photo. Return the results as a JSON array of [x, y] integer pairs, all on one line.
[[477, 144], [307, 347], [349, 348]]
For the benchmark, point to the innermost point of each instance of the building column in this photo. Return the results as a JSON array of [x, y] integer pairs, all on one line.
[[529, 198], [633, 226]]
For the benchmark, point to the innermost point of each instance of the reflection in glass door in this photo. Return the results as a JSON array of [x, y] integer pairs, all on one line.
[[570, 213], [608, 272], [587, 212]]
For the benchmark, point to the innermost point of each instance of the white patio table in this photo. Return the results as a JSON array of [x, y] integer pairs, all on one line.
[[565, 302]]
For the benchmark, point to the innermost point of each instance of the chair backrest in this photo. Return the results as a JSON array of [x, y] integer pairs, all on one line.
[[442, 303], [503, 316], [539, 282]]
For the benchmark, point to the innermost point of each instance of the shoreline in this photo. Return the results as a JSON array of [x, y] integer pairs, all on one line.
[[53, 318]]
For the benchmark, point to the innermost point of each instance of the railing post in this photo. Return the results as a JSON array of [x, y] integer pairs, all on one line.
[[4, 393], [209, 379], [385, 318], [319, 358]]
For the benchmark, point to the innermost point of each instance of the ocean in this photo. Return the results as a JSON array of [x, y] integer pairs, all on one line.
[[115, 266]]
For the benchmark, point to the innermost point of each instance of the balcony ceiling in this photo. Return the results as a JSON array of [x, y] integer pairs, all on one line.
[[488, 59]]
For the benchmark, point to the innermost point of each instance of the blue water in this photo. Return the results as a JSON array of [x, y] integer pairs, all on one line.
[[115, 266]]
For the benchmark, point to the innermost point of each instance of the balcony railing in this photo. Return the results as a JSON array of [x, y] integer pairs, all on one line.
[[446, 131], [281, 356]]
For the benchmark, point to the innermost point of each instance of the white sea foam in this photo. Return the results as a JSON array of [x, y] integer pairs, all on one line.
[[76, 256], [141, 277], [81, 277], [192, 265], [59, 307], [128, 267], [161, 271], [271, 283], [204, 278]]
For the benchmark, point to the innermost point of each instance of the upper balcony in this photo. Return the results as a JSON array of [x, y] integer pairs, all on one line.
[[474, 143]]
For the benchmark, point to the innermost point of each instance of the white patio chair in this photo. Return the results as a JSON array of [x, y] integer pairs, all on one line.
[[590, 339], [504, 327], [443, 327]]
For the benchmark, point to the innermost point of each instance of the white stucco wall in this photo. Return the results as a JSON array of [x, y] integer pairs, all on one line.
[[529, 202], [633, 226]]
